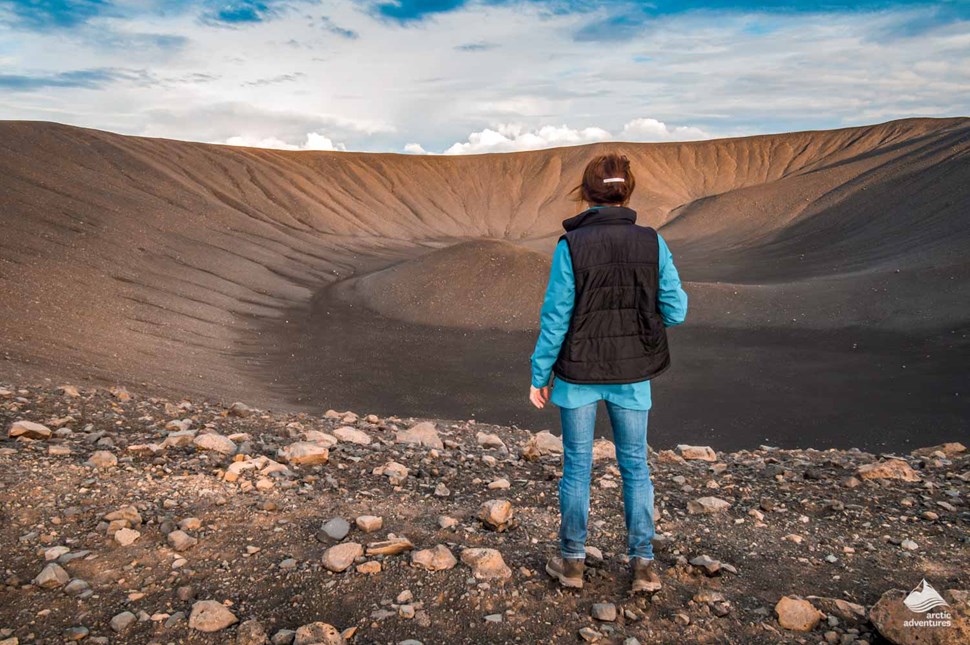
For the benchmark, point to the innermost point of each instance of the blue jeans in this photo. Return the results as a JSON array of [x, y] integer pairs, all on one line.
[[630, 437]]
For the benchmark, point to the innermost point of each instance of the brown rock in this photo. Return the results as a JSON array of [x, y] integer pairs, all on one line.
[[304, 453], [28, 430], [215, 442], [423, 434], [102, 459], [950, 449], [604, 450], [210, 616], [707, 505], [369, 523], [898, 624], [391, 546], [52, 576], [496, 514], [339, 557], [318, 634], [352, 435], [701, 453], [486, 564], [251, 632], [439, 558], [889, 469], [797, 614]]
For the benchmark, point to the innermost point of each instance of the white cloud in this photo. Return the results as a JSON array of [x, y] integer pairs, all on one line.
[[314, 141], [509, 137], [654, 130], [694, 74], [415, 149]]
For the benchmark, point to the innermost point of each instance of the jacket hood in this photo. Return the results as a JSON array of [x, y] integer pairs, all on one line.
[[601, 215]]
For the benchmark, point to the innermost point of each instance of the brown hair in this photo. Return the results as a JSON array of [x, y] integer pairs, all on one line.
[[595, 191]]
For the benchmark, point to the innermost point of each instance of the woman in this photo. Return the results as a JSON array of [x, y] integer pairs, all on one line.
[[612, 291]]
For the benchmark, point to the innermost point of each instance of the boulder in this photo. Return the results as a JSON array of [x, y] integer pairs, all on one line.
[[318, 633], [889, 469], [486, 440], [423, 434], [942, 625], [797, 614], [210, 616], [338, 558], [52, 576], [28, 430], [102, 459], [950, 449], [496, 514], [439, 558], [304, 453], [352, 435], [696, 453], [215, 442], [604, 450], [486, 564], [707, 505]]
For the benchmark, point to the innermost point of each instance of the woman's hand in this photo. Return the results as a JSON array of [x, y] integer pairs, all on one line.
[[539, 396]]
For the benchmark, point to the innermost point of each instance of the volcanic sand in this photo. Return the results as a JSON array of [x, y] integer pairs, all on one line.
[[827, 271]]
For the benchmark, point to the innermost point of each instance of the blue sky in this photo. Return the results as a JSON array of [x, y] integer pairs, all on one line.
[[455, 76]]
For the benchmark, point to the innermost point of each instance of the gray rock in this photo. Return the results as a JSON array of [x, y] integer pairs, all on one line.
[[336, 528]]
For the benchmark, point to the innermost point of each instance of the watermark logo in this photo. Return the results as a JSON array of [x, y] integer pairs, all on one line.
[[921, 600]]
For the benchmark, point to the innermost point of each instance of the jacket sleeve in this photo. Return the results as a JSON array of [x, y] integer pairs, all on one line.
[[557, 310], [671, 298]]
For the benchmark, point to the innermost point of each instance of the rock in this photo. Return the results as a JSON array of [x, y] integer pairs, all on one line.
[[179, 439], [369, 567], [392, 546], [369, 523], [126, 536], [604, 450], [396, 473], [496, 514], [251, 632], [304, 453], [423, 434], [710, 565], [121, 622], [190, 524], [486, 564], [889, 469], [441, 490], [52, 576], [589, 634], [446, 522], [546, 443], [439, 558], [696, 453], [28, 430], [486, 440], [898, 624], [181, 541], [604, 611], [336, 528], [128, 515], [951, 449], [76, 633], [848, 611], [283, 637], [210, 616], [909, 545], [215, 442], [322, 438], [318, 634], [797, 614], [499, 484], [338, 558], [102, 459], [670, 457], [240, 409], [707, 505], [352, 435]]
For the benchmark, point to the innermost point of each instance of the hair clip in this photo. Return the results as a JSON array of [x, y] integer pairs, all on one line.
[[611, 180]]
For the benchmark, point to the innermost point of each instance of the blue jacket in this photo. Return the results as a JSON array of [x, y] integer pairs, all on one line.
[[557, 309]]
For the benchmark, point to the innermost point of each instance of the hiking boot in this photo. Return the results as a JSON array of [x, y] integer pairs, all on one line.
[[645, 578], [568, 571]]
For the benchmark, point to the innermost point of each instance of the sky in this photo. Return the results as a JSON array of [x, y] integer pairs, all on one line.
[[465, 77]]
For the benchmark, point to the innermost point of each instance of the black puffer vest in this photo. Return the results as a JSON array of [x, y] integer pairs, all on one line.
[[616, 334]]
